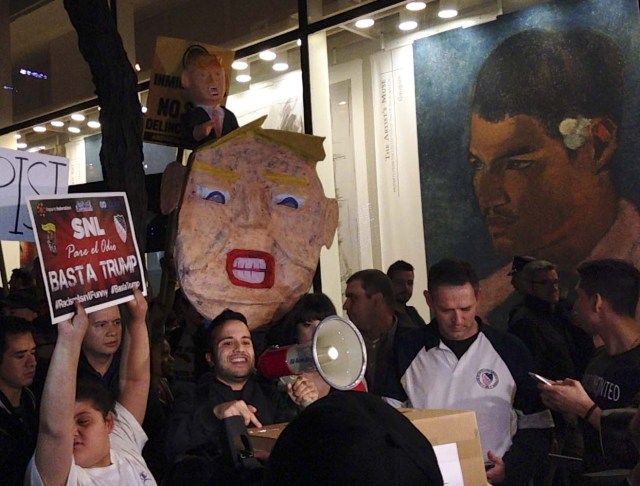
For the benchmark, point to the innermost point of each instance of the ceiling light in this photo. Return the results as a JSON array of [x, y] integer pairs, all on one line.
[[243, 78], [21, 145], [415, 6], [267, 55], [239, 65], [298, 42], [93, 124], [448, 9], [57, 123], [407, 21], [280, 66], [281, 63], [39, 129], [364, 23], [18, 136], [77, 117], [137, 67], [36, 149], [144, 109], [74, 129]]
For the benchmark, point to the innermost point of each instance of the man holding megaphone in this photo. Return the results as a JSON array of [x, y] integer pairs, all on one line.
[[231, 389]]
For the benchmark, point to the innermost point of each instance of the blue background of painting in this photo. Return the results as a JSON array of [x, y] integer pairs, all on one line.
[[446, 66]]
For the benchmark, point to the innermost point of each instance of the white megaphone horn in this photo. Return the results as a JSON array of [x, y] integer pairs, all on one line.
[[337, 352]]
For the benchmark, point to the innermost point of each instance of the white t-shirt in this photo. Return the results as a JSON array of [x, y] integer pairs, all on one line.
[[127, 465]]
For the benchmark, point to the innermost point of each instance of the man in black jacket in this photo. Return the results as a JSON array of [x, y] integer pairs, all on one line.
[[231, 389], [18, 414]]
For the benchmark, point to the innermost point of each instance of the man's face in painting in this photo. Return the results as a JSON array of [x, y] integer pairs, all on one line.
[[533, 192], [252, 222]]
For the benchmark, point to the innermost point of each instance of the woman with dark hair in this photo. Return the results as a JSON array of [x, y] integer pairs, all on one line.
[[298, 327]]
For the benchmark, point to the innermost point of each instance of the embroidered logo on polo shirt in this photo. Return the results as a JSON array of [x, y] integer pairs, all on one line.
[[487, 378]]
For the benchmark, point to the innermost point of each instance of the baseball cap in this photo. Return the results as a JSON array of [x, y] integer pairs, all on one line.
[[518, 263]]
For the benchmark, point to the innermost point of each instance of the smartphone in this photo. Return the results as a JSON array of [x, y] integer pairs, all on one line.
[[541, 379]]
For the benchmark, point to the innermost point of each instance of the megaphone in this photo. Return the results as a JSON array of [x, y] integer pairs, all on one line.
[[337, 352]]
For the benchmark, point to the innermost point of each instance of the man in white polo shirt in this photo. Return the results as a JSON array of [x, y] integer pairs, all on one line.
[[457, 362]]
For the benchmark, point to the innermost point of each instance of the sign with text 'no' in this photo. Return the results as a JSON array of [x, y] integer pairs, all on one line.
[[24, 174], [88, 251]]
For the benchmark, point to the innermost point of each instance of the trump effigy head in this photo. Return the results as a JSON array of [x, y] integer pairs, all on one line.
[[252, 221]]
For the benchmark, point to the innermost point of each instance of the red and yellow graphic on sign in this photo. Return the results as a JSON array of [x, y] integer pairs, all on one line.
[[87, 249]]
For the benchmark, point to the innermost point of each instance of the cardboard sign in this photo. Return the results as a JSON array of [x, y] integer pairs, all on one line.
[[88, 251], [24, 174], [167, 100]]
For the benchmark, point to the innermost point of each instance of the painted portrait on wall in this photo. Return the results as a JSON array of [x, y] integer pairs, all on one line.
[[527, 139]]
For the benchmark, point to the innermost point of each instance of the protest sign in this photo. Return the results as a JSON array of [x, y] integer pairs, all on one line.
[[24, 174], [167, 100], [88, 251]]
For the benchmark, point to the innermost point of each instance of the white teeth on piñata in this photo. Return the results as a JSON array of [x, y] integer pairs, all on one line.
[[250, 270]]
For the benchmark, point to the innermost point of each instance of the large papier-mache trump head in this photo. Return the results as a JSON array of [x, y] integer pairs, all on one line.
[[252, 221]]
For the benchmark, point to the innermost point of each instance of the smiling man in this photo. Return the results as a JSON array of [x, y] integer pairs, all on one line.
[[457, 362], [196, 425], [545, 118], [252, 222]]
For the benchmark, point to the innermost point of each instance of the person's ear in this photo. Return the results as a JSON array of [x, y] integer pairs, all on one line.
[[429, 298], [110, 421], [209, 359], [597, 303], [330, 221], [185, 79], [604, 133]]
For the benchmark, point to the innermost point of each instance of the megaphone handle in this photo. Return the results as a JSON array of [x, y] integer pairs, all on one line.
[[309, 387]]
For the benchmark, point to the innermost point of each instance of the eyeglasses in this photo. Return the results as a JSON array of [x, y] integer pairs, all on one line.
[[548, 283]]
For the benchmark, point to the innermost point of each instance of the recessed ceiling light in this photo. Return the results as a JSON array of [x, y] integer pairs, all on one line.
[[18, 136], [57, 123], [77, 117], [36, 149], [144, 109], [267, 55], [364, 23], [448, 9], [280, 66], [408, 25], [21, 145], [74, 129], [137, 67], [415, 6], [93, 124], [243, 78], [239, 65], [39, 129]]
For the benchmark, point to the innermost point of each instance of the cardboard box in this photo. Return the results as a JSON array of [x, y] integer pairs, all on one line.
[[441, 427]]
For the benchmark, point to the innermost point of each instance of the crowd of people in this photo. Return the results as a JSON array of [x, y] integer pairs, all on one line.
[[85, 401]]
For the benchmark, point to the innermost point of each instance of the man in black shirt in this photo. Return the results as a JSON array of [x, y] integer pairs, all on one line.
[[18, 415], [231, 389]]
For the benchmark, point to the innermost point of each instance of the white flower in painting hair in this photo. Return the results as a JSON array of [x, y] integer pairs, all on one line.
[[575, 131]]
